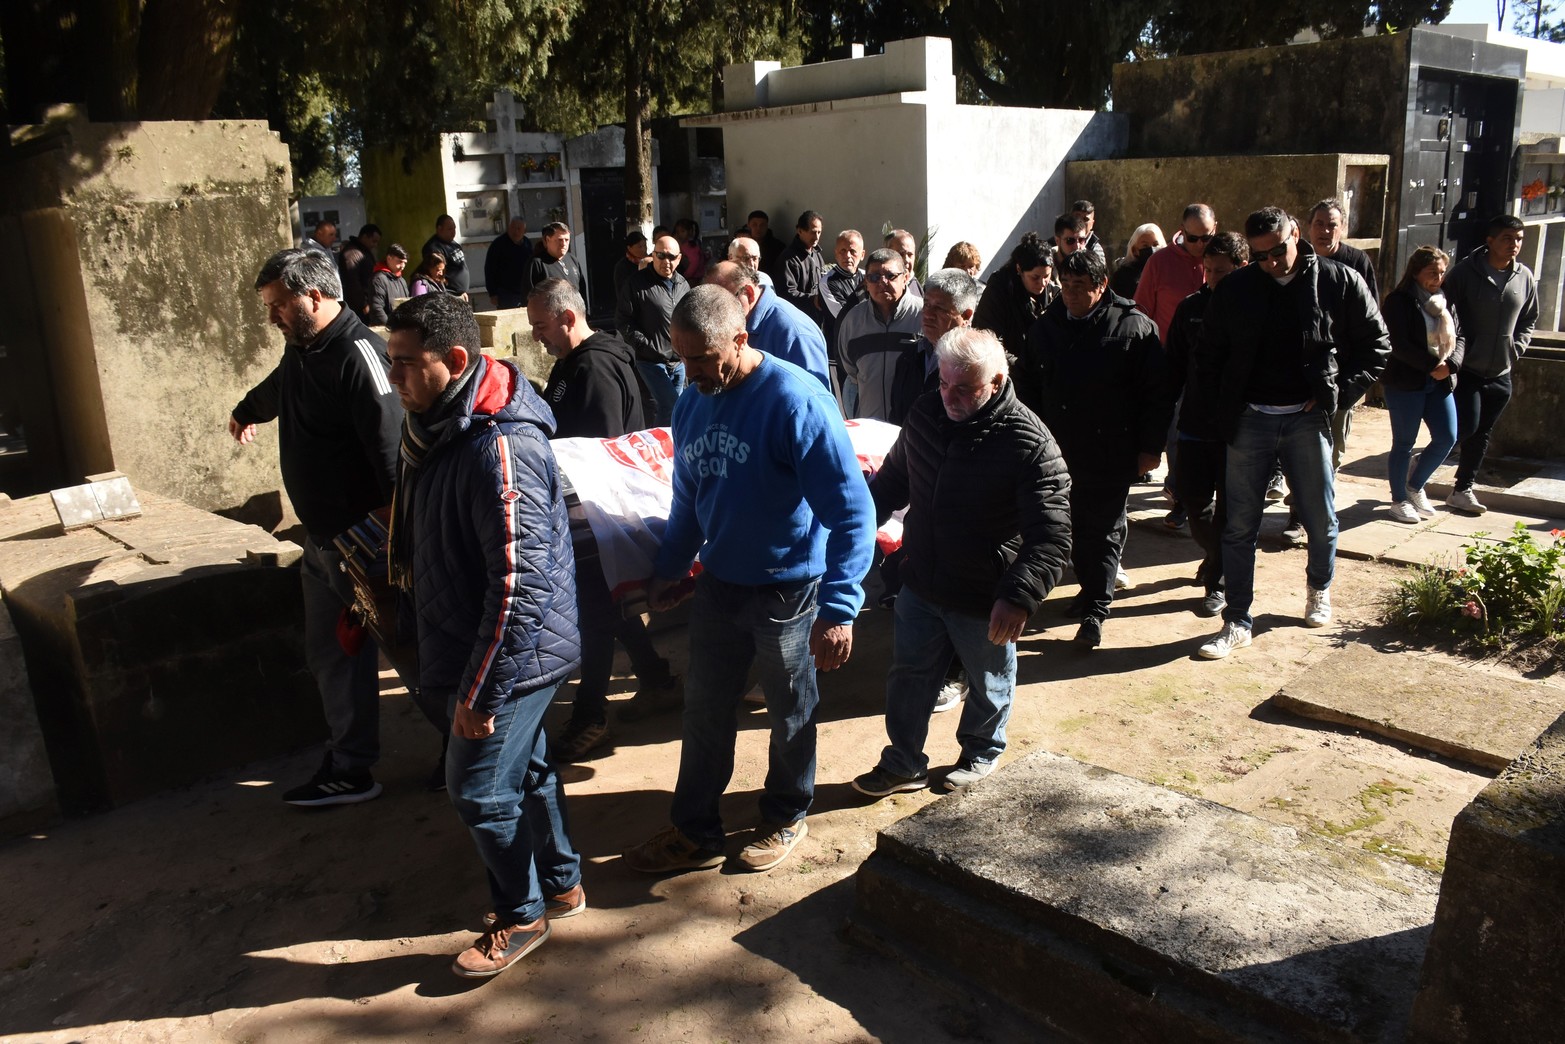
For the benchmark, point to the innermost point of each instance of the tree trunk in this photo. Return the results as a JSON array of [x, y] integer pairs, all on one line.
[[184, 54], [638, 140]]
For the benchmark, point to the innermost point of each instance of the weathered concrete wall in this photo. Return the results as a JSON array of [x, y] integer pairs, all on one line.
[[1530, 425], [1158, 190], [1495, 969], [26, 787], [145, 240], [160, 649]]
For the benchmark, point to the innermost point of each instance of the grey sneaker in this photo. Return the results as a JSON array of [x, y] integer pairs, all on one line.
[[966, 774], [1293, 533], [670, 850], [1317, 608], [1232, 636], [773, 843], [1420, 501], [1213, 604], [877, 782], [1464, 502], [952, 693]]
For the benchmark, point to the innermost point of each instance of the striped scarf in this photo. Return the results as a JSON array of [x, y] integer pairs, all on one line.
[[420, 434]]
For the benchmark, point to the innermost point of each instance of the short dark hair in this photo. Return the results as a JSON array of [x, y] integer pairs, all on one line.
[[369, 230], [1198, 210], [1069, 222], [554, 228], [1083, 206], [443, 218], [1503, 223], [302, 271], [1329, 204], [808, 217], [1084, 263], [1267, 221], [881, 256], [633, 238], [1230, 245], [397, 250], [441, 321], [763, 215]]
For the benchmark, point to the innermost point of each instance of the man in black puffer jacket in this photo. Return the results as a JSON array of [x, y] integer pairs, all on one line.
[[1097, 376], [987, 534], [480, 537]]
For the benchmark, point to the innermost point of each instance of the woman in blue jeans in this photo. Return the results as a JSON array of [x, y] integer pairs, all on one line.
[[1426, 350]]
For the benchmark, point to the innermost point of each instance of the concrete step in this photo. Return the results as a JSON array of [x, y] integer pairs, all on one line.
[[1115, 910]]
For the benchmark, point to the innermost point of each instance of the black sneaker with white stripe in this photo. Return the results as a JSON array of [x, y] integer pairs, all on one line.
[[329, 787]]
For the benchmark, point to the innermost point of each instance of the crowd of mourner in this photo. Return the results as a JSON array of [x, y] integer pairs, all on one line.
[[1026, 410]]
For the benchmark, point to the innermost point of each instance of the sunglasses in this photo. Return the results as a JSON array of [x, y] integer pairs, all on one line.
[[1192, 238], [661, 256], [883, 277], [1072, 240], [1276, 253]]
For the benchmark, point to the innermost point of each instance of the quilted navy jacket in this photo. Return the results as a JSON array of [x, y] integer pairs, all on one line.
[[493, 573]]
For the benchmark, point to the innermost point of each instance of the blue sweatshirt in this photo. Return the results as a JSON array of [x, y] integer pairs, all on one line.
[[780, 328], [768, 490]]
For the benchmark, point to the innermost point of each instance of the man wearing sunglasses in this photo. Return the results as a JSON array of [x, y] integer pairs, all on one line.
[[1286, 342], [1174, 272], [875, 333], [646, 302]]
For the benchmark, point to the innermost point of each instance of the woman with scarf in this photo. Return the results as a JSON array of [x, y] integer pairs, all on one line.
[[1426, 351], [1018, 294]]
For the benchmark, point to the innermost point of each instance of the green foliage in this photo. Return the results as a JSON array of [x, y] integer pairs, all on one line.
[[1507, 589], [1539, 19]]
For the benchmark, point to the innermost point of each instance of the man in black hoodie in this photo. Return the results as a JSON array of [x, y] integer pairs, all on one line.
[[339, 425], [596, 392]]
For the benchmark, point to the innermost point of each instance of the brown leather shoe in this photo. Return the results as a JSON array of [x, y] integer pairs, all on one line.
[[499, 948], [568, 903]]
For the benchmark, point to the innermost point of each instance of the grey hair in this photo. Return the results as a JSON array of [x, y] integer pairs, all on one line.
[[968, 348], [710, 312], [302, 271], [850, 233], [557, 296], [962, 287]]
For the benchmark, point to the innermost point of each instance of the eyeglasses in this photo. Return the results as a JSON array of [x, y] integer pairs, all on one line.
[[1191, 237], [883, 277], [662, 256], [1276, 253], [1071, 240]]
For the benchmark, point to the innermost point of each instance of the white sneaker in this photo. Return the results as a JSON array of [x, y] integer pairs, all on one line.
[[1465, 502], [1404, 511], [1317, 608], [1420, 501], [1232, 636], [952, 693], [1122, 581]]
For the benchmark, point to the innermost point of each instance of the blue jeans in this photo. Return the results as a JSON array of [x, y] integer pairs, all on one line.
[[1301, 443], [508, 795], [1433, 405], [665, 381], [926, 637], [731, 627]]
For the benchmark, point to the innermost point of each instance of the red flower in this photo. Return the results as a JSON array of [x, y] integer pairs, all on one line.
[[1472, 609]]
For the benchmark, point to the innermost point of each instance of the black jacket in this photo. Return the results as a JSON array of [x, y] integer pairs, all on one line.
[[912, 378], [801, 279], [596, 393], [339, 425], [1198, 413], [1356, 259], [505, 269], [1343, 336], [356, 265], [544, 266], [1411, 357], [1099, 386], [1008, 310], [385, 290], [988, 504], [456, 263], [646, 302]]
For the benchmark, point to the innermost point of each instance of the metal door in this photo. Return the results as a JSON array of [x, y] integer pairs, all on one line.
[[603, 224]]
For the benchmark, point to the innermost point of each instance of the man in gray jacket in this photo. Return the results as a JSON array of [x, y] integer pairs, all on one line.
[[875, 333], [1496, 301]]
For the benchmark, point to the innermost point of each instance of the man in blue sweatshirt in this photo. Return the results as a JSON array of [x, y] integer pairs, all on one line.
[[768, 491]]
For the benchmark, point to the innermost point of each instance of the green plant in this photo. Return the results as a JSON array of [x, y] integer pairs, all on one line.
[[1424, 600], [1513, 584]]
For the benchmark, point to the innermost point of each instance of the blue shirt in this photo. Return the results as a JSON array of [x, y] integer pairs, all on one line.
[[783, 330], [768, 490]]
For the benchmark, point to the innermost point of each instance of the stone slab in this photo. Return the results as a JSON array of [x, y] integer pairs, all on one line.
[[1372, 539], [1455, 711], [1495, 969], [160, 648], [1429, 547], [1116, 910]]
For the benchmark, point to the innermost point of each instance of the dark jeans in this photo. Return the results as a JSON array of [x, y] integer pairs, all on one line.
[[1199, 482], [1098, 530], [731, 627], [665, 381], [506, 791], [350, 685], [1479, 403], [601, 623]]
